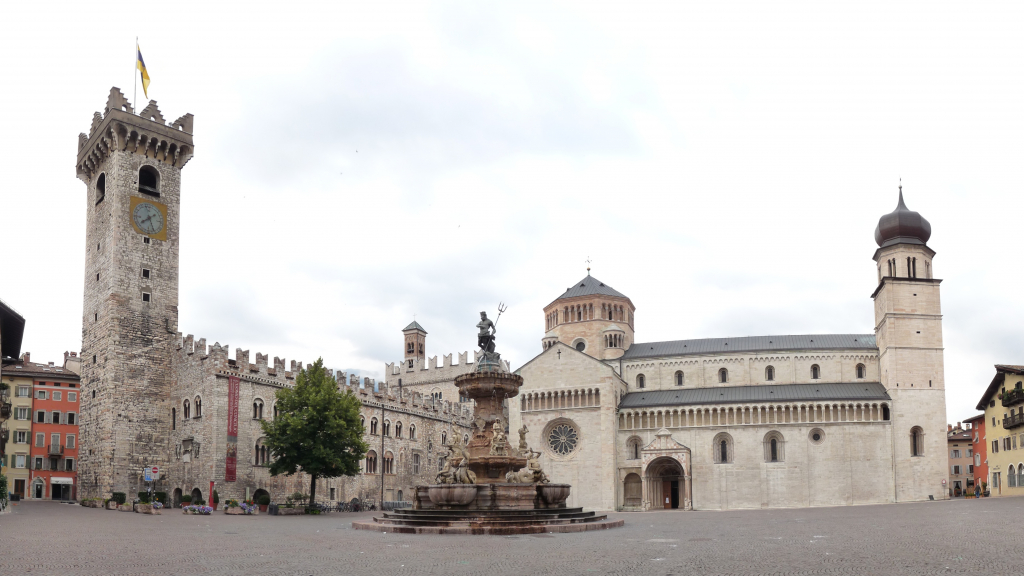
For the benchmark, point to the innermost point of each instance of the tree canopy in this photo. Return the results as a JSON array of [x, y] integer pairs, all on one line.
[[317, 429]]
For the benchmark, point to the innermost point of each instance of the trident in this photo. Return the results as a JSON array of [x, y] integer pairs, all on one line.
[[501, 308]]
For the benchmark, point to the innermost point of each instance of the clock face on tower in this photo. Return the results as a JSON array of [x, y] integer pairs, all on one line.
[[149, 218]]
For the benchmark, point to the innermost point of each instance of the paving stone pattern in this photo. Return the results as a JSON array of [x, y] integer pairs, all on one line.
[[921, 538]]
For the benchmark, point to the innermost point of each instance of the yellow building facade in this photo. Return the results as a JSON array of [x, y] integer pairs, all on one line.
[[16, 452], [1003, 403]]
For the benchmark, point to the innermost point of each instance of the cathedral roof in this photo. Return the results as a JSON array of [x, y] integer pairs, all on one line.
[[751, 344], [414, 326], [762, 393], [589, 286], [902, 225]]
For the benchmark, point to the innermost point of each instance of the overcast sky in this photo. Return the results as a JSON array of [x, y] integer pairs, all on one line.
[[723, 164]]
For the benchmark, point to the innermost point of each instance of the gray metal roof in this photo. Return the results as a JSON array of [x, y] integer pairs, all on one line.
[[763, 393], [589, 286], [414, 326], [751, 344]]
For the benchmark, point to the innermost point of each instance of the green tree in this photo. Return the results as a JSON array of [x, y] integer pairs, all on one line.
[[317, 429]]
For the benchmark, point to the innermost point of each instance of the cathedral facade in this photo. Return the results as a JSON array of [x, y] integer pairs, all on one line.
[[751, 422], [152, 397]]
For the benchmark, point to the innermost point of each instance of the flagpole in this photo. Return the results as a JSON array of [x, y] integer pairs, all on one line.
[[135, 84]]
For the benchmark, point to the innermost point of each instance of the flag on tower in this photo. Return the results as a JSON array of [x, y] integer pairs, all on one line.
[[141, 65]]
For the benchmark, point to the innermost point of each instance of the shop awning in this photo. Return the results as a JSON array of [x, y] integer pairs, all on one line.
[[61, 480]]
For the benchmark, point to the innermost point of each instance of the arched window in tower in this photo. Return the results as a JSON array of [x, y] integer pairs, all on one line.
[[723, 375], [889, 263], [679, 377], [885, 411], [149, 181], [387, 427], [410, 348], [174, 419], [640, 381], [769, 373], [185, 410], [916, 441], [444, 438], [412, 431], [275, 410], [815, 372], [398, 429], [579, 314], [861, 371], [373, 426], [908, 267], [914, 268], [101, 188], [257, 409], [199, 407]]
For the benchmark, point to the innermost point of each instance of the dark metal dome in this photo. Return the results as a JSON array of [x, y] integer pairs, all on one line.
[[902, 225]]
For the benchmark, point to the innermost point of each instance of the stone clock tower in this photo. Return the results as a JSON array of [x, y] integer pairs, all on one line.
[[908, 332], [131, 165]]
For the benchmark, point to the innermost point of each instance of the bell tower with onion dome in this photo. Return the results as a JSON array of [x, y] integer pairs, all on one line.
[[908, 333], [592, 317]]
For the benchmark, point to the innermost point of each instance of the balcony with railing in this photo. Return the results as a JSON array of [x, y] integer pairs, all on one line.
[[1014, 420], [56, 450], [1014, 396]]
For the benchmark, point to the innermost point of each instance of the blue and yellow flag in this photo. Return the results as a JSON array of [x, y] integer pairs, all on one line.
[[141, 65]]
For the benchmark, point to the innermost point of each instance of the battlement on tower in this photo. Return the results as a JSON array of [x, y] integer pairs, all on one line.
[[415, 371], [119, 129], [215, 358]]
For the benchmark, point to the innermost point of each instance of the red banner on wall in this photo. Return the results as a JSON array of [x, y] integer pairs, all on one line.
[[231, 459]]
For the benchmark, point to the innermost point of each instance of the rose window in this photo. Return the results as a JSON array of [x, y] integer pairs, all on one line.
[[563, 439]]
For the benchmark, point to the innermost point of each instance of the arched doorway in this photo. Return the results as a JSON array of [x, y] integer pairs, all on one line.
[[197, 494], [38, 488], [259, 494], [176, 497], [665, 484]]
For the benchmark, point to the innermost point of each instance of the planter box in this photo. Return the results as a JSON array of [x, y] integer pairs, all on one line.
[[111, 505], [126, 508], [146, 509], [291, 511], [237, 511]]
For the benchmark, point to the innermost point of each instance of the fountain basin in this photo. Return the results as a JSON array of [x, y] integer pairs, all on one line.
[[446, 495]]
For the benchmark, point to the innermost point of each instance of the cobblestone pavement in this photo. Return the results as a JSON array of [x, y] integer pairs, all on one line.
[[957, 536]]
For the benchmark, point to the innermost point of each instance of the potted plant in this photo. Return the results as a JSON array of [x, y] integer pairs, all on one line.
[[216, 499], [186, 499], [264, 502]]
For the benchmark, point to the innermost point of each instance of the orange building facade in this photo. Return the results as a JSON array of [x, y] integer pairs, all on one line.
[[980, 448], [55, 416]]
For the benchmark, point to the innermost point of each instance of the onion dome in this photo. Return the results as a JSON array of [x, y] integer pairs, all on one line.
[[902, 225]]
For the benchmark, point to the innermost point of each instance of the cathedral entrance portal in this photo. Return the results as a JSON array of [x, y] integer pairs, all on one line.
[[666, 474]]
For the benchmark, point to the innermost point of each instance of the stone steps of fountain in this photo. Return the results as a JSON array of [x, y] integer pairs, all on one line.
[[495, 522]]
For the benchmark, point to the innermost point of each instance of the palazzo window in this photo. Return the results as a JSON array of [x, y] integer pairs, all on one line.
[[373, 426], [199, 407], [387, 428], [412, 431], [398, 429], [371, 462], [185, 410], [257, 409], [389, 463]]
